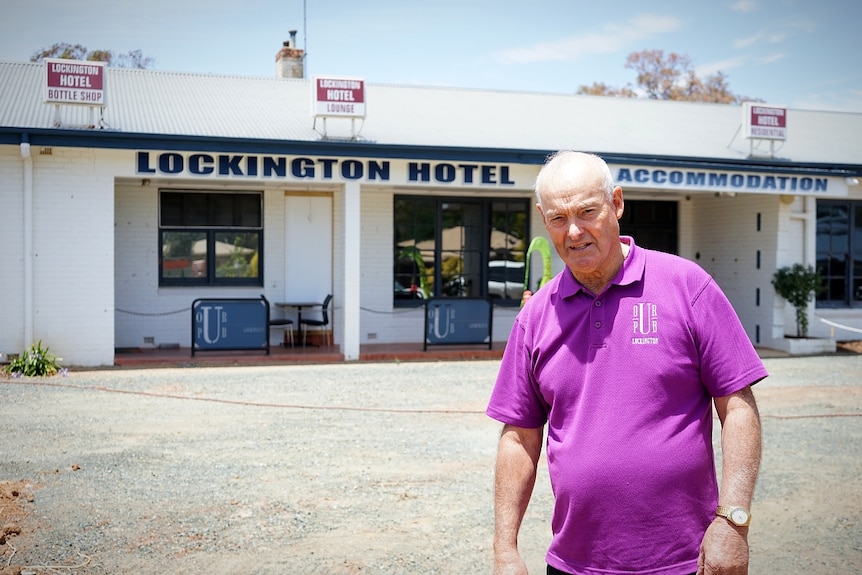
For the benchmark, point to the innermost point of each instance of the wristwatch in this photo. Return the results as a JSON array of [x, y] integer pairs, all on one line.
[[736, 515]]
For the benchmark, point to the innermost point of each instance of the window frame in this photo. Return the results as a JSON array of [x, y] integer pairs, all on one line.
[[436, 282], [852, 280], [210, 226]]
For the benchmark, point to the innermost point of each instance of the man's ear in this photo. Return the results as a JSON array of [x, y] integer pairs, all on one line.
[[619, 204]]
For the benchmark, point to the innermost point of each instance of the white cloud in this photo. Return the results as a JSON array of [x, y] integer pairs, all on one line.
[[750, 41], [720, 66], [775, 38], [611, 38], [738, 62], [771, 58], [743, 6], [809, 26]]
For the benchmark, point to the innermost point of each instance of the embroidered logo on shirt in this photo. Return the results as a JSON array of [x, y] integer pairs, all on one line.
[[645, 324]]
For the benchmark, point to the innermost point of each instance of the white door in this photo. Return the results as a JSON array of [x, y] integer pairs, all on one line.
[[308, 247]]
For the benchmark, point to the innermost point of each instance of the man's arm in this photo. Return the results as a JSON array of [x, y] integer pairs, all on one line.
[[724, 549], [514, 478]]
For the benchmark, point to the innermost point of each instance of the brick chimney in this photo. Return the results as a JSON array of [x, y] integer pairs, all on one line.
[[289, 62]]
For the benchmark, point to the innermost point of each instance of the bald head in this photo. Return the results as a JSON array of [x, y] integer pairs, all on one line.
[[568, 167], [581, 208]]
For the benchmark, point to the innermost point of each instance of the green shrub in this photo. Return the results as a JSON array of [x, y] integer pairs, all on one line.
[[36, 362], [798, 284]]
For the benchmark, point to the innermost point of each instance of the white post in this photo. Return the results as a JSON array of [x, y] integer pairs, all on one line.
[[352, 255], [28, 244]]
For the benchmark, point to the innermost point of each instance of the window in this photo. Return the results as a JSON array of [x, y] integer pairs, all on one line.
[[652, 224], [210, 238], [446, 247], [839, 252]]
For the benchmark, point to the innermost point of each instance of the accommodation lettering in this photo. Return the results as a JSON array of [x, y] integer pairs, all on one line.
[[720, 180]]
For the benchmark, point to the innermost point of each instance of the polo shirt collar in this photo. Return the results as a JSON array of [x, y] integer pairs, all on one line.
[[631, 272]]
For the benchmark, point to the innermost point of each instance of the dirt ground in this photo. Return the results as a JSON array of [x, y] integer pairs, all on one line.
[[16, 515], [850, 346], [807, 513]]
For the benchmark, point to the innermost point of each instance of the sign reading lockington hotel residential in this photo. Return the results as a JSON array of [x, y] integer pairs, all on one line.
[[74, 82]]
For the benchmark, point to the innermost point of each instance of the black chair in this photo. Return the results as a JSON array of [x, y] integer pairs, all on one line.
[[322, 322], [281, 323]]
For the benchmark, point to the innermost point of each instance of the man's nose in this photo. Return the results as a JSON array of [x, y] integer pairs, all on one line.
[[574, 228]]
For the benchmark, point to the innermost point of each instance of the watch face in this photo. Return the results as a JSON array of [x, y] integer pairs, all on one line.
[[739, 516]]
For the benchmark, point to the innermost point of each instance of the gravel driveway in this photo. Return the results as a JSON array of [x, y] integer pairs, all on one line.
[[354, 468]]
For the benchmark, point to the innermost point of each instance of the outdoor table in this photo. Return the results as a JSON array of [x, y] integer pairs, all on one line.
[[298, 306]]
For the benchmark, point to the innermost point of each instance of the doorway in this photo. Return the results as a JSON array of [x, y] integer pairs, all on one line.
[[653, 224], [307, 247]]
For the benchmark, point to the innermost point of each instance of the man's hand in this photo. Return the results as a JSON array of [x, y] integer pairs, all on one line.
[[509, 563], [724, 550]]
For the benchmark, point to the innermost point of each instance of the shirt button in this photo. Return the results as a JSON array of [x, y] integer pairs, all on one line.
[[598, 303], [598, 324]]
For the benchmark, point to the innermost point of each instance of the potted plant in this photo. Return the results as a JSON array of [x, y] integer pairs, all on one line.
[[798, 284]]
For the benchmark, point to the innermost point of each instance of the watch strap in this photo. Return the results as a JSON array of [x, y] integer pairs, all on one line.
[[726, 512]]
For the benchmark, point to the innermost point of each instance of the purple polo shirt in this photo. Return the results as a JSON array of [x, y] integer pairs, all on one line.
[[625, 382]]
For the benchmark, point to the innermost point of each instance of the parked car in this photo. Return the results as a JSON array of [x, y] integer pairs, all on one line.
[[505, 279], [413, 292]]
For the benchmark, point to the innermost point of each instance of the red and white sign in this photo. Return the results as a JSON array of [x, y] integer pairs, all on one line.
[[764, 122], [343, 97], [74, 82]]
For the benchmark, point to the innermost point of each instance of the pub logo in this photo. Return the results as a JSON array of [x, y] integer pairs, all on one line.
[[645, 324]]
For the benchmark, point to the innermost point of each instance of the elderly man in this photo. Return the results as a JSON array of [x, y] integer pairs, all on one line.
[[623, 355]]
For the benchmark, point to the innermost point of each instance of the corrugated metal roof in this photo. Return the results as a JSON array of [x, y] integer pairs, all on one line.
[[212, 106]]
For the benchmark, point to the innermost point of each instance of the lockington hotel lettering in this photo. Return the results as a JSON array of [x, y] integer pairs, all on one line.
[[341, 169], [299, 168]]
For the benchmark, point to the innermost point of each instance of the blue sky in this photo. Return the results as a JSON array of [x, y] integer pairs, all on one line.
[[795, 53]]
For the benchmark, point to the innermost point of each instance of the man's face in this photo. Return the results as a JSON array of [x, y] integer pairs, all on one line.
[[582, 222]]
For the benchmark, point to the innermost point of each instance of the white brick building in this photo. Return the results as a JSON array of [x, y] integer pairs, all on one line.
[[199, 186]]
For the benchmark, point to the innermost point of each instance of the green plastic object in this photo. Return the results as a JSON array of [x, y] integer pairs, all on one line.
[[541, 245]]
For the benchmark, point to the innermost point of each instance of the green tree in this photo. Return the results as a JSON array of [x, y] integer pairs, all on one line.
[[669, 77], [64, 50]]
